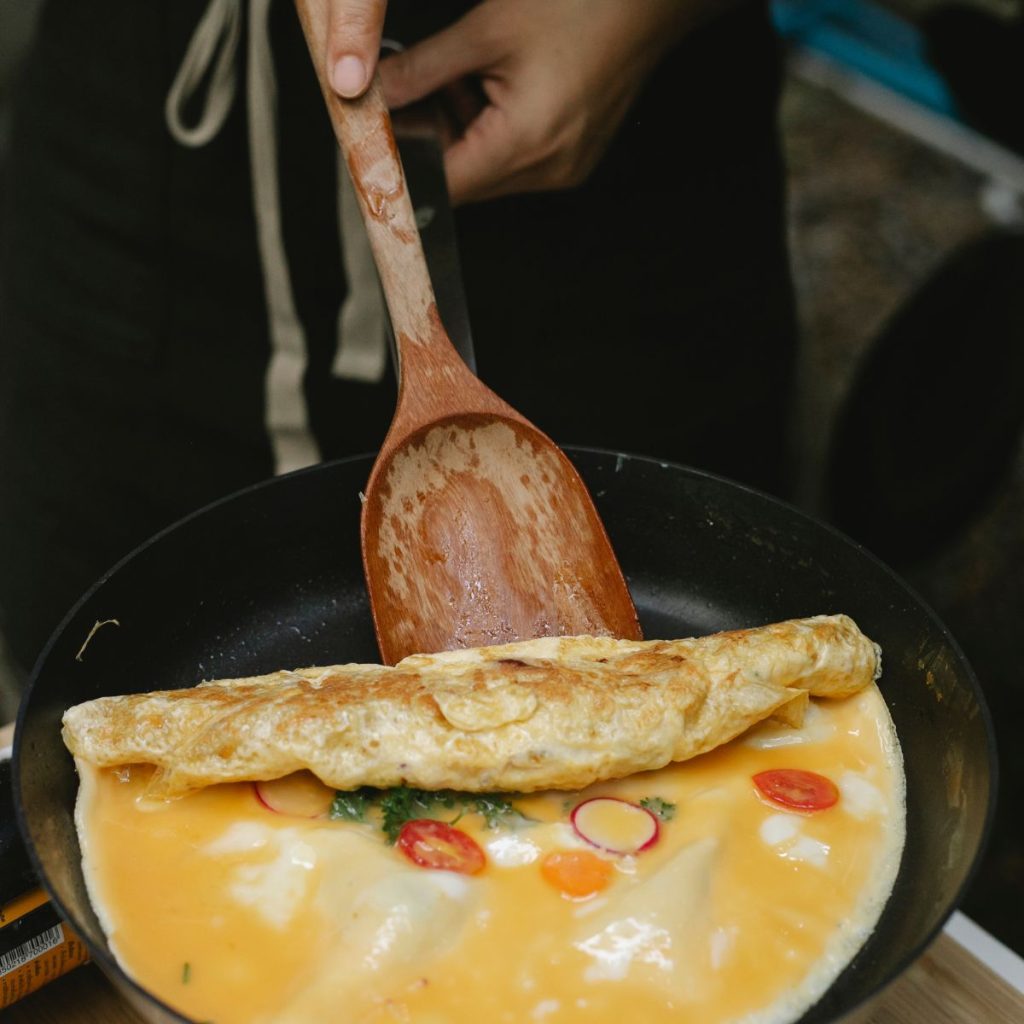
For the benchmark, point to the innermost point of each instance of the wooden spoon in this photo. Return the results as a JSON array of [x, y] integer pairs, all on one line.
[[476, 529]]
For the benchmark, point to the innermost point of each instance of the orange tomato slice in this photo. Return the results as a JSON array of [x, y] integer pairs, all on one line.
[[576, 873]]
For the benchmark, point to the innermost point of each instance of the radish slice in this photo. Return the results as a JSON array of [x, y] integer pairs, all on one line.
[[615, 825], [301, 794]]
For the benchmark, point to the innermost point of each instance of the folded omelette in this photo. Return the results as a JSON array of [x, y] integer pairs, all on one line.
[[553, 713]]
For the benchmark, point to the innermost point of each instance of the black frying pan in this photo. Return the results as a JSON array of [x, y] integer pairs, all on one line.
[[271, 577]]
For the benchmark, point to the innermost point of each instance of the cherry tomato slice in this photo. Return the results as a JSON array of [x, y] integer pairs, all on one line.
[[797, 789], [436, 845]]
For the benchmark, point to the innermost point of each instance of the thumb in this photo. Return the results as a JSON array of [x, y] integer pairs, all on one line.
[[353, 44]]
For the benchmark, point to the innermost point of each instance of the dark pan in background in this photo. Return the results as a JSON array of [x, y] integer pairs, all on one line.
[[271, 577]]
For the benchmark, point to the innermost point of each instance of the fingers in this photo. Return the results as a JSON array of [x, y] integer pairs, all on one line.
[[353, 44], [481, 165], [463, 47]]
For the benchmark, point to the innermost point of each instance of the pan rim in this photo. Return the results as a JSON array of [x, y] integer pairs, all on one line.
[[120, 977]]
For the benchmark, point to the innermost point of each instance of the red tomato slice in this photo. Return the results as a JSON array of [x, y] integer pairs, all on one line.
[[796, 788], [434, 844]]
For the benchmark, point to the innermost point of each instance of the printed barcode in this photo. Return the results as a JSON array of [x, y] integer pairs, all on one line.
[[35, 946]]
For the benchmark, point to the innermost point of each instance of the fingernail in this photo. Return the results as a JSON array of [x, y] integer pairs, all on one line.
[[348, 76]]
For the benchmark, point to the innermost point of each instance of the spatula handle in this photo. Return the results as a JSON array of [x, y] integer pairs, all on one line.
[[364, 132], [419, 133]]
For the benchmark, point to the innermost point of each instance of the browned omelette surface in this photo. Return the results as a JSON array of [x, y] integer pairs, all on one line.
[[552, 713]]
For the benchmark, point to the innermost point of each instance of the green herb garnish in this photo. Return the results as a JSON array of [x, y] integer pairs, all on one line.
[[493, 807], [351, 806], [658, 807], [186, 973], [403, 803]]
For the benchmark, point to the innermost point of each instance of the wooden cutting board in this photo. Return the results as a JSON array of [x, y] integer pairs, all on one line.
[[947, 985]]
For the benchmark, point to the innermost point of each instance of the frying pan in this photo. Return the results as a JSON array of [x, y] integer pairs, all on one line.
[[271, 577]]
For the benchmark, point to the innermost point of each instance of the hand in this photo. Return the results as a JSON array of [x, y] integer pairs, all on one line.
[[558, 77], [353, 43]]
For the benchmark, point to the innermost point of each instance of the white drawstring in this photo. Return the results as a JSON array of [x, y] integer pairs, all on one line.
[[220, 24], [286, 414], [361, 315]]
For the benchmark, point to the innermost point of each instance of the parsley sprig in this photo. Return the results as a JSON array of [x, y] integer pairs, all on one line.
[[400, 804], [658, 807]]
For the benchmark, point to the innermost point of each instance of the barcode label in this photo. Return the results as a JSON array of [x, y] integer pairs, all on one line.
[[35, 946]]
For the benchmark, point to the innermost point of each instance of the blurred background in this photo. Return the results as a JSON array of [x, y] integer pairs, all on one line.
[[904, 145], [904, 140]]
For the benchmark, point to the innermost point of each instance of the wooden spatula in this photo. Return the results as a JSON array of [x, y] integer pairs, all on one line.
[[476, 529]]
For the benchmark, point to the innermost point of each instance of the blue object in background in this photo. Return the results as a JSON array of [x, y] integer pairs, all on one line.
[[869, 39]]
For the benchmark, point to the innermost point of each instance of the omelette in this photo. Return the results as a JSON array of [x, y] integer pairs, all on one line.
[[553, 713], [699, 831]]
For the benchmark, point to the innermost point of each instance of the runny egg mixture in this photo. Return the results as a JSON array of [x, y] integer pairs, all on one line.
[[734, 906]]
